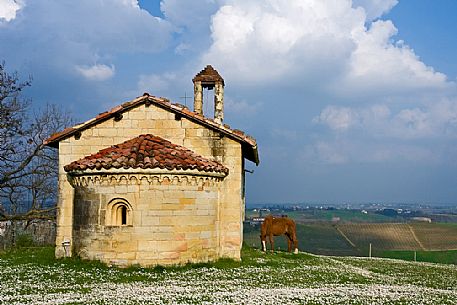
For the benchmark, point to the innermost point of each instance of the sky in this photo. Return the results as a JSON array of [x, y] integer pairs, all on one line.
[[349, 101]]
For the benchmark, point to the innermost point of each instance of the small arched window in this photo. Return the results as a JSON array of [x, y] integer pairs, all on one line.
[[119, 213], [123, 215]]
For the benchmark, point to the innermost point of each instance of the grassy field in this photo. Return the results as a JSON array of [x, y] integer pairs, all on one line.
[[33, 276], [343, 215], [401, 236], [436, 236], [443, 257], [354, 238], [385, 236], [317, 238], [316, 215]]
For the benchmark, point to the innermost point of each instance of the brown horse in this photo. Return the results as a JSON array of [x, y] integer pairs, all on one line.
[[272, 226]]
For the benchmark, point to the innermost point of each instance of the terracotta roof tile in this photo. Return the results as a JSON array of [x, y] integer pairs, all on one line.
[[58, 135], [146, 151]]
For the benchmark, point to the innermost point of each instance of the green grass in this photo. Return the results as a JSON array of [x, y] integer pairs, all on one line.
[[443, 257], [33, 275]]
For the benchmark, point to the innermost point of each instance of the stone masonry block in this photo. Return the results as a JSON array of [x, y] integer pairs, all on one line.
[[168, 220], [206, 234], [187, 200], [125, 246], [172, 256], [137, 115], [126, 255], [160, 213], [147, 254], [149, 220], [107, 132], [149, 246], [160, 236], [185, 212], [108, 124]]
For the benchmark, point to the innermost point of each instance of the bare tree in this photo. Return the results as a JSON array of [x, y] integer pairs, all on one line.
[[28, 168]]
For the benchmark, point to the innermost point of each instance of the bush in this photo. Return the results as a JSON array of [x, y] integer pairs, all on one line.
[[24, 240]]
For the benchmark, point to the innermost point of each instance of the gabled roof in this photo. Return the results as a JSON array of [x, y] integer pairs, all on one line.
[[146, 151], [248, 143]]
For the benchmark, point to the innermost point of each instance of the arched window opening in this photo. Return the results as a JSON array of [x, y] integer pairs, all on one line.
[[123, 215], [119, 213]]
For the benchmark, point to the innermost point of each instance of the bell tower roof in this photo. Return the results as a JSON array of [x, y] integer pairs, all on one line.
[[208, 77]]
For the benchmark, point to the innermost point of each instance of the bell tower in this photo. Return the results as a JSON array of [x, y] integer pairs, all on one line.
[[209, 78]]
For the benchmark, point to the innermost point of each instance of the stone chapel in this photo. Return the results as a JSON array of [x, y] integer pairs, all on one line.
[[151, 182]]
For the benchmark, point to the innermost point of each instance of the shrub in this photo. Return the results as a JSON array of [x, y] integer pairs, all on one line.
[[24, 240]]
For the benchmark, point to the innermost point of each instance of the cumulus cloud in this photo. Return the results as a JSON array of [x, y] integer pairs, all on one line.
[[379, 133], [65, 34], [375, 8], [377, 63], [267, 40], [241, 107], [433, 120], [9, 8], [345, 151], [96, 72], [318, 40], [188, 13], [68, 42], [337, 118]]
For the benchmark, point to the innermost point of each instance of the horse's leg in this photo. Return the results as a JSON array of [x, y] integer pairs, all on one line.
[[272, 243], [295, 241], [262, 239], [262, 242], [263, 235], [289, 242]]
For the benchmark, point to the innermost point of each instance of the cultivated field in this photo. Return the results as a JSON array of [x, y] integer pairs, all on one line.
[[34, 277], [436, 236], [354, 238], [391, 236]]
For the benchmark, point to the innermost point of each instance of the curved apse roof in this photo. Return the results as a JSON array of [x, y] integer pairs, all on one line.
[[146, 152]]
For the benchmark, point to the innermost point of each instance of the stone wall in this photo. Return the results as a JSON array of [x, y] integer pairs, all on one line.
[[41, 232], [178, 130], [174, 219]]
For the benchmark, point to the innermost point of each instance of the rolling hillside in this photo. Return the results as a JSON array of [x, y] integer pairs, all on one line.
[[437, 236], [354, 238]]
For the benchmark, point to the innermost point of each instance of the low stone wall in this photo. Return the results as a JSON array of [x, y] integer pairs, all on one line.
[[41, 232]]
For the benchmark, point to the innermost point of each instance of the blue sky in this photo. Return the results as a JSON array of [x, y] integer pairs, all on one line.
[[350, 101]]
